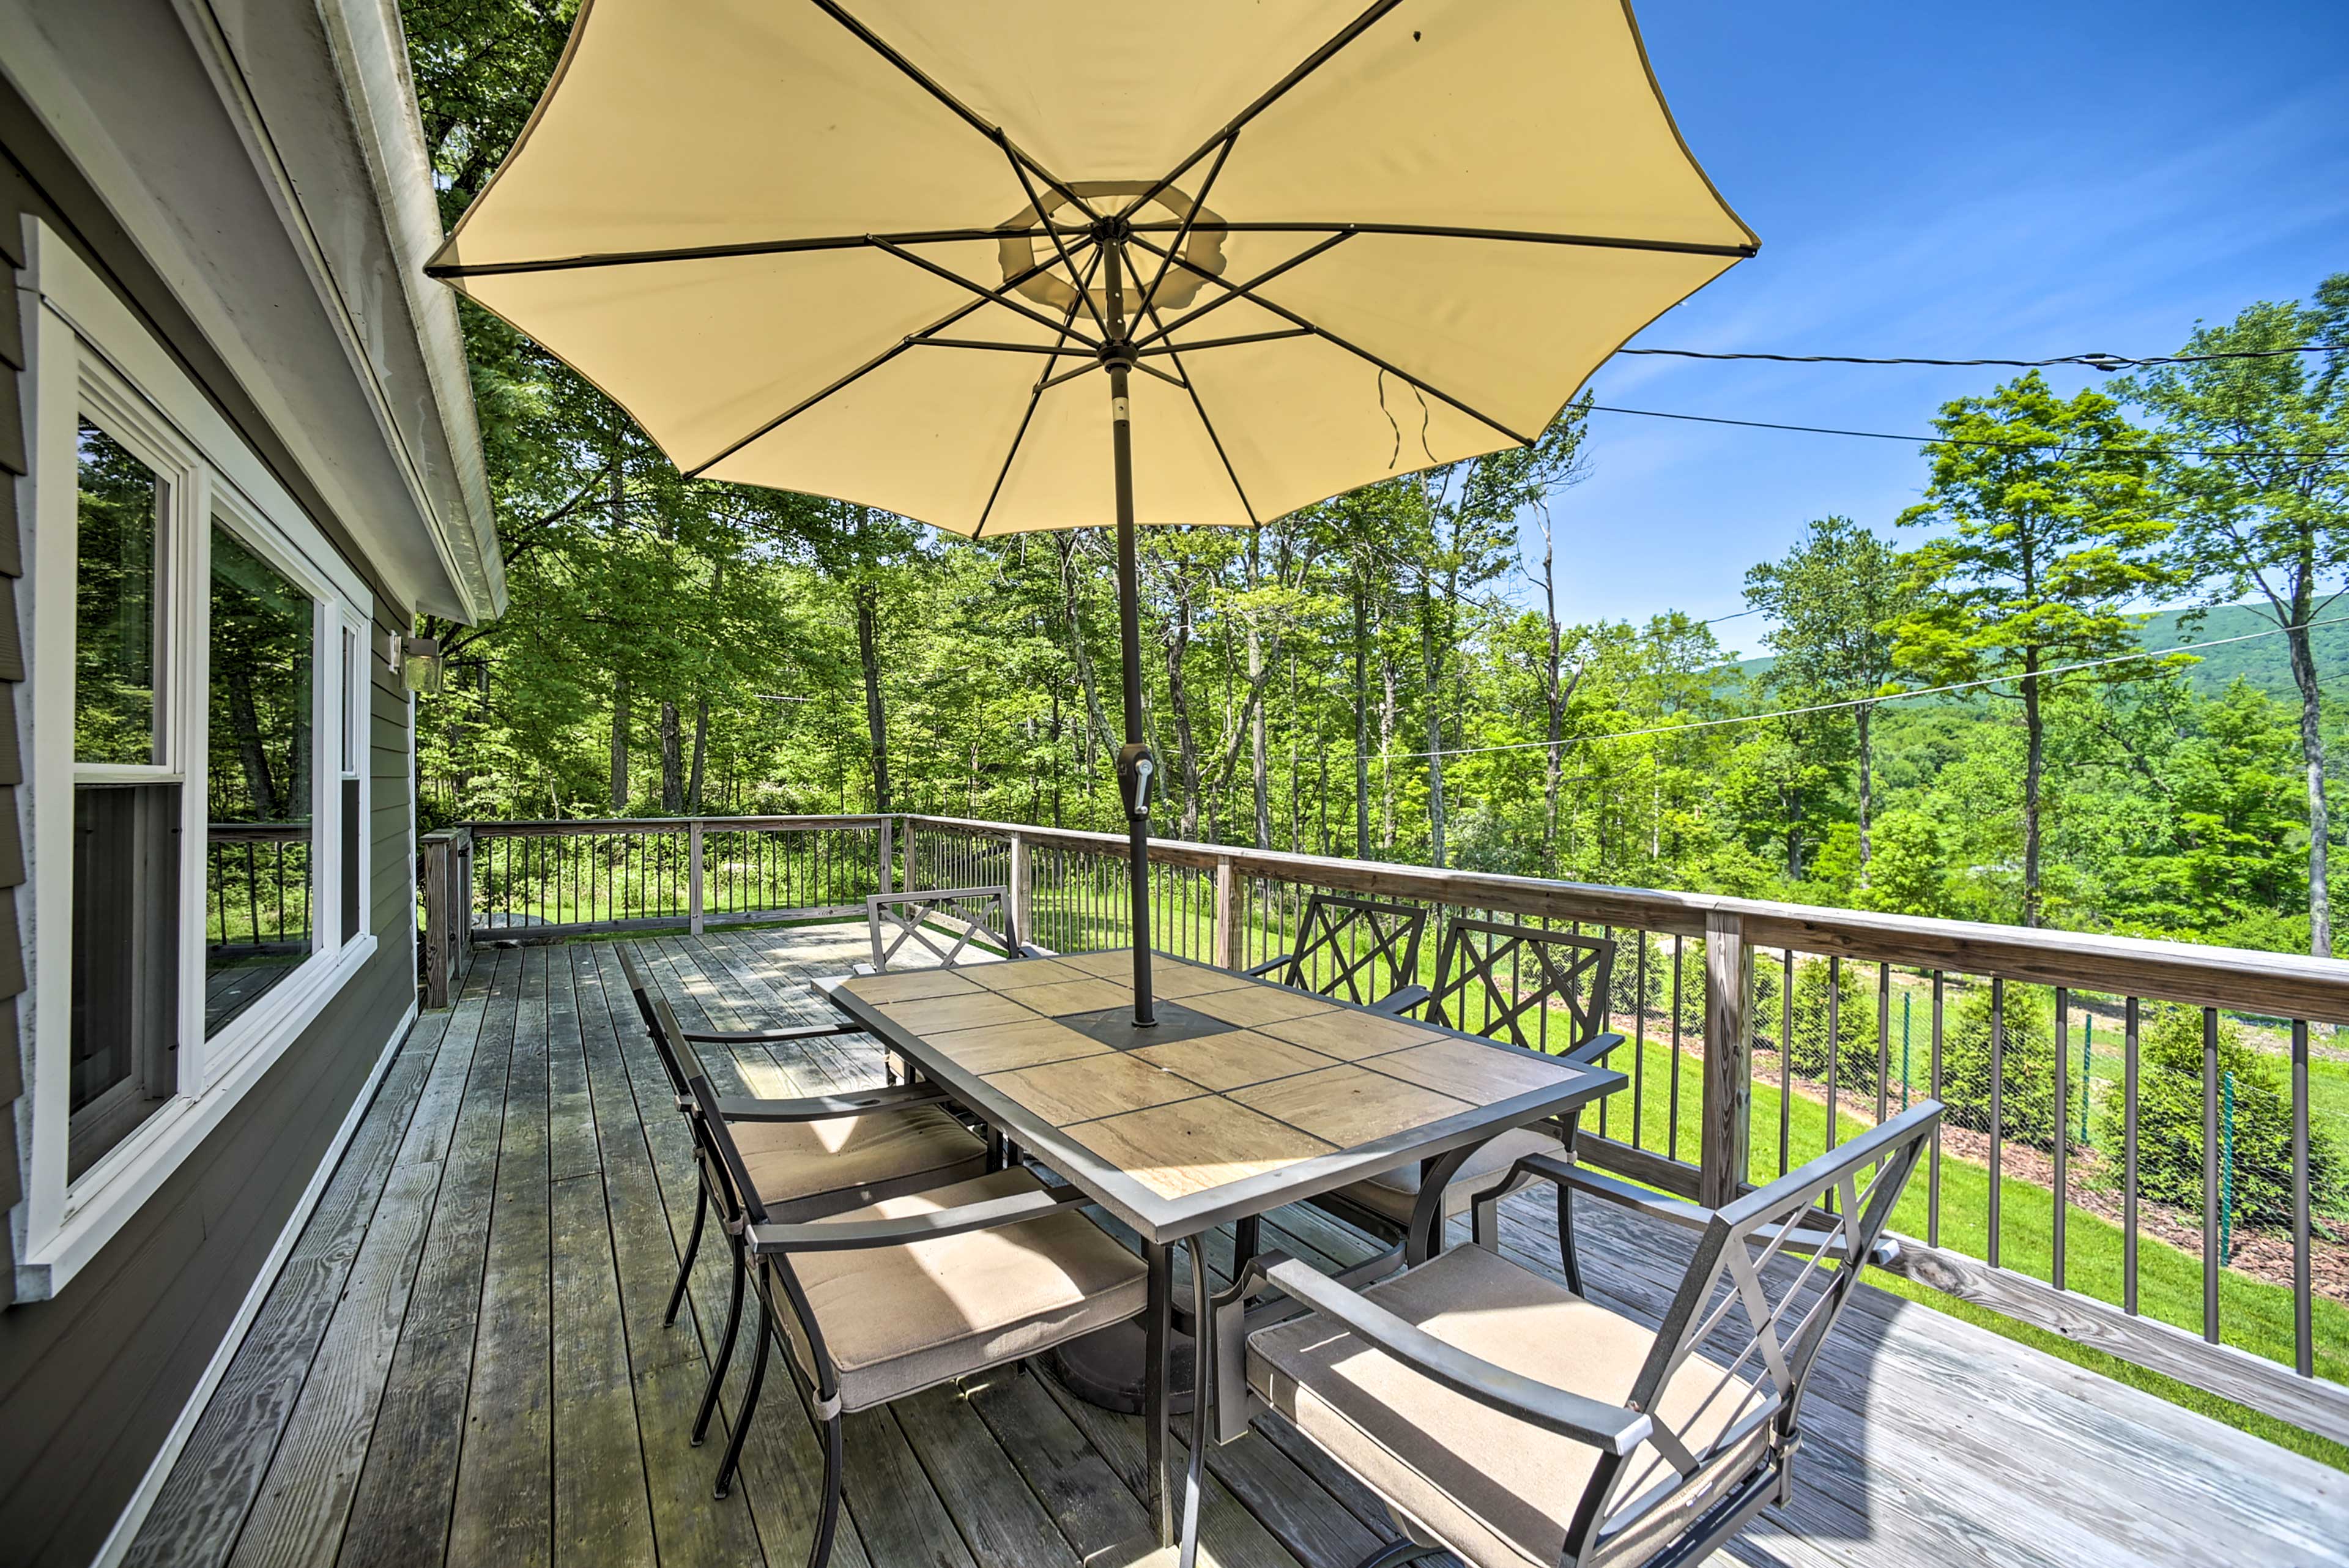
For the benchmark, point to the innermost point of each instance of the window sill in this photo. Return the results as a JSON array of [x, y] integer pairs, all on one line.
[[107, 1196]]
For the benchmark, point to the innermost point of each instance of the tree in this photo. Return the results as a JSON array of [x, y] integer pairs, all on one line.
[[2264, 513], [2050, 506], [1831, 602]]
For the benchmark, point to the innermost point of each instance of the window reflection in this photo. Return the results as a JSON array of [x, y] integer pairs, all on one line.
[[120, 505], [258, 925]]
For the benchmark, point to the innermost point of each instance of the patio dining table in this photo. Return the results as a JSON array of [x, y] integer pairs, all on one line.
[[1246, 1097]]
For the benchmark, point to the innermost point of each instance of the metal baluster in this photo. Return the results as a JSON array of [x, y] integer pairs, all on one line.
[[2303, 1339], [1672, 1100], [2063, 1135], [1997, 1103], [2128, 1156], [1883, 1037], [1785, 1055], [1933, 1162], [1639, 1052], [1835, 1042], [2210, 1258]]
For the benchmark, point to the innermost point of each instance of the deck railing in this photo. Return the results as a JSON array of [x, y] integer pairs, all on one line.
[[2145, 1141]]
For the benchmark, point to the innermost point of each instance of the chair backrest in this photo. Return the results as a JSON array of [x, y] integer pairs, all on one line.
[[953, 925], [677, 1057], [1498, 980], [1760, 1297], [1356, 948]]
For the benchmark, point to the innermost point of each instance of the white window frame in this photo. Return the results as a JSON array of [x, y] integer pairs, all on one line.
[[90, 355]]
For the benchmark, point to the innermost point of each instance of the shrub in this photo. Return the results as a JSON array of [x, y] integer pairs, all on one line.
[[2027, 1076], [1808, 1050], [2169, 1122]]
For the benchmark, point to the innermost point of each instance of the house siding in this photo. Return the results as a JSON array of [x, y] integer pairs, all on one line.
[[92, 1382]]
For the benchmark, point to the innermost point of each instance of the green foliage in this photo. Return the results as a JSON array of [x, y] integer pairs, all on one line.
[[2026, 1064], [1852, 1037], [2169, 1122]]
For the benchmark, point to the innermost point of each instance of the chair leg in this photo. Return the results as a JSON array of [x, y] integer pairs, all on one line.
[[749, 1406], [725, 1348], [1566, 1252], [1399, 1553], [820, 1551], [692, 1246], [1248, 1240]]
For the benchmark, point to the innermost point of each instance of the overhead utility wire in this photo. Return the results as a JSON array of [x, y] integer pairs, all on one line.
[[1966, 441], [1849, 702], [2105, 362]]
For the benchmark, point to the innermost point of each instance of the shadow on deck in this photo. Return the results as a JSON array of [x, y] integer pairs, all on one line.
[[463, 1361]]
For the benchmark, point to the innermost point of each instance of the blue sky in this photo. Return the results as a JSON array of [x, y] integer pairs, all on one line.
[[1951, 181]]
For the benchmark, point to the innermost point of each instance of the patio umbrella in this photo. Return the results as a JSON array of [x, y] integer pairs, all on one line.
[[1051, 264]]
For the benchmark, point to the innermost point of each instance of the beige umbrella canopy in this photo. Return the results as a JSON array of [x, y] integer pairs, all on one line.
[[887, 249]]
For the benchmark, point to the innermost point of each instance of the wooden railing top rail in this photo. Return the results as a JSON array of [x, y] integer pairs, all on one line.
[[2272, 984], [566, 827]]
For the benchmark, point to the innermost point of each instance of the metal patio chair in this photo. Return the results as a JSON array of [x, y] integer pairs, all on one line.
[[861, 1304], [1500, 981], [809, 1156], [951, 926], [1505, 1418], [1355, 949]]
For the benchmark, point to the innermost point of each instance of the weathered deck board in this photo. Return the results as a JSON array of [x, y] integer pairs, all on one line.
[[468, 1363]]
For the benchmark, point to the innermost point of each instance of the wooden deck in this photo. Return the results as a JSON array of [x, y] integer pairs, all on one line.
[[464, 1363]]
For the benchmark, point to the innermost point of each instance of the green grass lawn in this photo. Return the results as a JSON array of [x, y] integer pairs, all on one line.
[[2253, 1314]]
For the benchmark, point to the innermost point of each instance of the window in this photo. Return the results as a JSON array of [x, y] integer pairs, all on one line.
[[259, 781], [198, 886]]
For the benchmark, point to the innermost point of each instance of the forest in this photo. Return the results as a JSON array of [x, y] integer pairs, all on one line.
[[1960, 711]]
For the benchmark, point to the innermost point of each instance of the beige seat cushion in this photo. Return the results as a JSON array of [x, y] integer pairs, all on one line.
[[898, 1319], [1497, 1492], [1394, 1193], [804, 1170]]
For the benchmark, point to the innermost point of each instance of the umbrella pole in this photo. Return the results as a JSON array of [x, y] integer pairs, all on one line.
[[1129, 627]]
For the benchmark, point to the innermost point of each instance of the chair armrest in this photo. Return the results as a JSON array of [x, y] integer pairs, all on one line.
[[1268, 966], [1402, 1000], [1611, 1429], [771, 1036], [1593, 1051], [824, 1107], [849, 1235], [1582, 1178]]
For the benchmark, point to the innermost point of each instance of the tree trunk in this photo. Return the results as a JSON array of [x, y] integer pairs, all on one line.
[[2312, 753], [1386, 745], [672, 749], [1178, 702], [1860, 716], [1432, 658], [700, 752], [261, 790], [619, 744], [2033, 769], [1362, 718], [1097, 730], [877, 718]]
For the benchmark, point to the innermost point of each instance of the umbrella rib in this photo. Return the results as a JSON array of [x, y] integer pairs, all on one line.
[[1035, 396], [910, 340], [995, 295], [995, 347], [721, 252], [1208, 425], [1182, 235], [1240, 291], [1446, 231], [1037, 203], [1266, 100], [963, 111], [1355, 349], [1229, 342]]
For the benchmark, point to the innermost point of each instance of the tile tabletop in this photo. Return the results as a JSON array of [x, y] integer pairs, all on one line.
[[1267, 1095]]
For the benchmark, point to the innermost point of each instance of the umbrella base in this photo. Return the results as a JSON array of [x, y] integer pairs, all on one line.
[[1114, 1026], [1109, 1366]]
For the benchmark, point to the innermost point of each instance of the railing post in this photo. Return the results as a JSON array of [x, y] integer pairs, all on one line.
[[1227, 914], [1023, 891], [436, 920], [693, 877], [883, 881], [1727, 1131]]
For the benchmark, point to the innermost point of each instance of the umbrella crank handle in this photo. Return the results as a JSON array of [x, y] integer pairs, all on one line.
[[1137, 773]]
